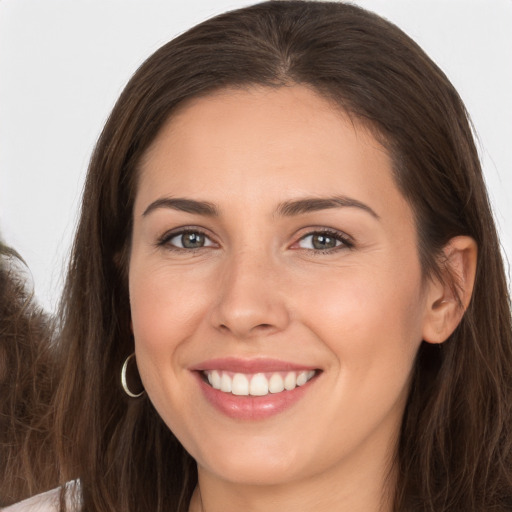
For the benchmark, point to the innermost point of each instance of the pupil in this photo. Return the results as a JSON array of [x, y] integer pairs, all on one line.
[[323, 242], [192, 240]]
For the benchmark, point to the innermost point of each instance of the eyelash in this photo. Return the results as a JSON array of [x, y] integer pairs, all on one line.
[[346, 241]]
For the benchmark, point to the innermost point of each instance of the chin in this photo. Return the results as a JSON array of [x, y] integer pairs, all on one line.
[[248, 471], [256, 461]]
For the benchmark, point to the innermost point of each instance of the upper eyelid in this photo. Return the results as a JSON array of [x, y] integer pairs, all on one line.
[[171, 233], [345, 237]]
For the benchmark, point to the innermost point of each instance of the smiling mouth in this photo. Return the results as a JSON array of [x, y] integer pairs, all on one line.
[[256, 384]]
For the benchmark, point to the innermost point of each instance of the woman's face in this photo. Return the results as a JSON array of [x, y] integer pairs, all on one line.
[[272, 249]]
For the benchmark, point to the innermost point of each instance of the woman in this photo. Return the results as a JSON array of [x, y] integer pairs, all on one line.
[[27, 384], [285, 233]]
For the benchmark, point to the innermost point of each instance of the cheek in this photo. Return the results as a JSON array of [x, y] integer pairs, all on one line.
[[371, 320], [371, 323], [367, 298], [164, 305], [164, 314]]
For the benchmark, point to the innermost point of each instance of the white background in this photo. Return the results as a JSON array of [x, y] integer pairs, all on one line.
[[63, 63]]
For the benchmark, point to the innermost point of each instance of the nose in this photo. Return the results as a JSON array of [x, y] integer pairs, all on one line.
[[252, 299]]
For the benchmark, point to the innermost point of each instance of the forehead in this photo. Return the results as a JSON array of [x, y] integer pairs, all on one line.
[[267, 142]]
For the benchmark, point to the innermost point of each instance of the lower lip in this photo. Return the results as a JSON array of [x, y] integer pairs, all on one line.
[[252, 407]]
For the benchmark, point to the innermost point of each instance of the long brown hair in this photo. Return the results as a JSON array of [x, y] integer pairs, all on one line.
[[455, 448], [28, 462]]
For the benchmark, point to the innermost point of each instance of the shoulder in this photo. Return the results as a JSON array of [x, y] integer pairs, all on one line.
[[49, 501], [45, 502]]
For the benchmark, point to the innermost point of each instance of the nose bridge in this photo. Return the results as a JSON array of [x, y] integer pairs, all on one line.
[[250, 300]]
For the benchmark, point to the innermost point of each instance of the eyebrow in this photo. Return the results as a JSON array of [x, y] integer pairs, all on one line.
[[183, 205], [285, 209], [313, 204]]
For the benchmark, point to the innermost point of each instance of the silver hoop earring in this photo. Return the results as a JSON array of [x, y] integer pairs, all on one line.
[[123, 379]]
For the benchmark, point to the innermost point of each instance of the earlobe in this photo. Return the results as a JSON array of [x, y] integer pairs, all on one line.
[[448, 298]]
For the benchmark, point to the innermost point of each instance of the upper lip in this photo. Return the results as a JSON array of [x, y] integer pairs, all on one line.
[[259, 365]]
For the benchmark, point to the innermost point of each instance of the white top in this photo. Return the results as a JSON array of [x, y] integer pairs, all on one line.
[[47, 501]]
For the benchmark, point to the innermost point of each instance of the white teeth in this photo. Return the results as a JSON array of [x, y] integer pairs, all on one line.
[[258, 384], [225, 383], [214, 379], [302, 378], [240, 384], [276, 383], [290, 381]]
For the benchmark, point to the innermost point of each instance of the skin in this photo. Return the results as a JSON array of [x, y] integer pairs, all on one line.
[[259, 288]]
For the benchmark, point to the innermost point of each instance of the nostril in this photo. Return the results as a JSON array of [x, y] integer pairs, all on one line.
[[257, 328], [265, 329]]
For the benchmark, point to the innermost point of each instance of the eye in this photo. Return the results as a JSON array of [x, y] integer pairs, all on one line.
[[189, 239], [324, 241]]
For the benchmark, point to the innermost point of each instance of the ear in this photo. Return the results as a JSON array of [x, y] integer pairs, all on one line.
[[448, 299]]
